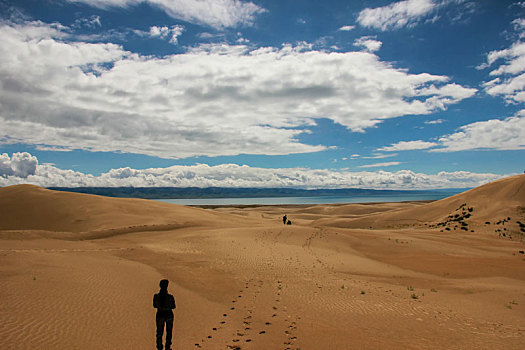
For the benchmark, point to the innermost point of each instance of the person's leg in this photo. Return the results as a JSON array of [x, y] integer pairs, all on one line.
[[160, 330], [169, 329]]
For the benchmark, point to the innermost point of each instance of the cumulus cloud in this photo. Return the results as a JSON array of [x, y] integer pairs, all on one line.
[[507, 134], [213, 13], [494, 134], [20, 165], [214, 99], [369, 43], [171, 33], [408, 13], [87, 22], [232, 175], [519, 26], [408, 146], [508, 73]]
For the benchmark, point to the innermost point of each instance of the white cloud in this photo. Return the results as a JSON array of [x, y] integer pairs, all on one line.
[[380, 156], [171, 33], [510, 74], [231, 175], [453, 91], [519, 26], [368, 43], [437, 121], [88, 22], [379, 165], [408, 146], [20, 165], [396, 15], [346, 28], [215, 99], [241, 39], [507, 134], [408, 13], [494, 134], [207, 35], [51, 148], [214, 13]]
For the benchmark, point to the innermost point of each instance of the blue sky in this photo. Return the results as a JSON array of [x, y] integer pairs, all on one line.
[[381, 94]]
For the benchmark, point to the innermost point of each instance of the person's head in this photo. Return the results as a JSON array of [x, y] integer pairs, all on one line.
[[164, 284]]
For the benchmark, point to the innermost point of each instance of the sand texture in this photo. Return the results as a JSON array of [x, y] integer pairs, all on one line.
[[79, 271]]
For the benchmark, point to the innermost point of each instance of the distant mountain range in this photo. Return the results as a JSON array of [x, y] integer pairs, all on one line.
[[225, 192]]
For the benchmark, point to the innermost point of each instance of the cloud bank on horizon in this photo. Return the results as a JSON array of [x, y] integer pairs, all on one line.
[[23, 168], [200, 80]]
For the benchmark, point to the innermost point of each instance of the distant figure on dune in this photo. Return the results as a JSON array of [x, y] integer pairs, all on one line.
[[164, 303], [284, 220]]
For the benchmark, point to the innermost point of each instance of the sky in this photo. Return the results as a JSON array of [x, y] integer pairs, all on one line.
[[411, 94]]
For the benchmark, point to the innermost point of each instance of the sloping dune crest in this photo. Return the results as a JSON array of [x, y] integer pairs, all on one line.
[[496, 200], [28, 207]]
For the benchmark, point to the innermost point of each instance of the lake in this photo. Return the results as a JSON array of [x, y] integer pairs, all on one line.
[[313, 200]]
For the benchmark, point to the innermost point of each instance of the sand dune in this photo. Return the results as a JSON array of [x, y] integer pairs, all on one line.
[[28, 207], [491, 202], [242, 280]]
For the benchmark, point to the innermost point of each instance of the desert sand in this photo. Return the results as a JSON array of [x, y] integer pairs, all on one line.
[[79, 271]]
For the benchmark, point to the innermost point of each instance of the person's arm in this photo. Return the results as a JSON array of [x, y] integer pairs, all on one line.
[[172, 302], [155, 301]]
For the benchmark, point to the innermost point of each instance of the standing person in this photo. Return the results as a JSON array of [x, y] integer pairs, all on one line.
[[164, 303], [284, 220]]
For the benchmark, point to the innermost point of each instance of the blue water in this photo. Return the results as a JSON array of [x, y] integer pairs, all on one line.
[[311, 200]]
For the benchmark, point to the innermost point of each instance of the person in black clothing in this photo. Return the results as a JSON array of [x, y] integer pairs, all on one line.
[[284, 219], [164, 303]]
